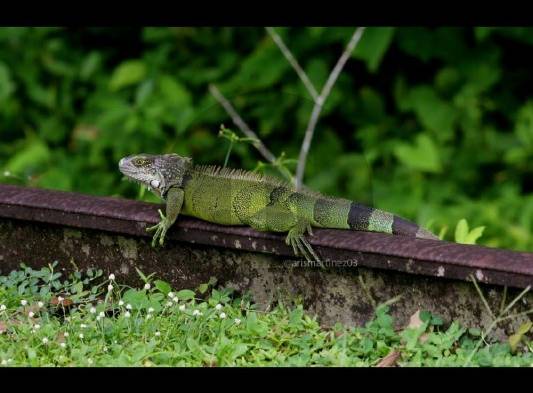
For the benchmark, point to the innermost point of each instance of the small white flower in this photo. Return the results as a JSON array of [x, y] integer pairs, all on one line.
[[23, 302], [90, 361], [31, 314], [111, 276], [157, 334], [4, 362], [3, 307], [127, 314], [60, 299], [182, 307], [66, 334], [81, 335], [45, 341], [171, 295], [83, 326], [147, 286], [62, 345], [110, 287], [150, 310], [7, 174], [120, 302], [102, 314], [169, 304], [40, 304], [104, 349], [175, 299], [218, 306], [222, 315], [98, 318], [92, 310], [149, 316], [36, 326], [128, 306], [237, 321], [196, 312]]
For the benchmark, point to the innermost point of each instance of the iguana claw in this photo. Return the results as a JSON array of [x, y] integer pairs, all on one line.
[[296, 239], [160, 229]]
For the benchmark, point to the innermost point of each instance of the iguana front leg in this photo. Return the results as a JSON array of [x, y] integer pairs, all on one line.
[[173, 207]]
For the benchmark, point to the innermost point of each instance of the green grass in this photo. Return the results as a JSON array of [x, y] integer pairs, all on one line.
[[87, 319]]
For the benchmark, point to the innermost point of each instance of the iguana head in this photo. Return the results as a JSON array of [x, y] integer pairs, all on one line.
[[157, 172]]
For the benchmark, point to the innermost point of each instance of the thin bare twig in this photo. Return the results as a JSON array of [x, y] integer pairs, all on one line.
[[501, 317], [293, 62], [516, 299], [319, 103], [239, 122], [482, 297], [504, 299]]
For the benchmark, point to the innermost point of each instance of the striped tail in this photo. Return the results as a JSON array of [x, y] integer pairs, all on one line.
[[364, 218], [345, 214]]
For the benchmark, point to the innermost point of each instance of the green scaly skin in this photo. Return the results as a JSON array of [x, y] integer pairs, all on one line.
[[237, 197]]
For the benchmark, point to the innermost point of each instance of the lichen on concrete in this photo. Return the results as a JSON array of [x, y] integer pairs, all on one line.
[[106, 240], [71, 233], [128, 247]]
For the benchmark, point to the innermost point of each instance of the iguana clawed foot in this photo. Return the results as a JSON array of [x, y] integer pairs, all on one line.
[[300, 245], [160, 229]]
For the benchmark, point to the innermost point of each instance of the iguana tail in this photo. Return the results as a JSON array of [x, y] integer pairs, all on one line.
[[345, 214]]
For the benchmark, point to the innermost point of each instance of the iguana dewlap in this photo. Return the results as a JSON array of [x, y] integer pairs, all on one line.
[[237, 197]]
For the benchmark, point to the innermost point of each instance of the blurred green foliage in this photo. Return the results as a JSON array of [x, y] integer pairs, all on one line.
[[434, 124]]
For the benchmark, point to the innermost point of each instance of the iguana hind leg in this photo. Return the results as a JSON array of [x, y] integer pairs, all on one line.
[[277, 219], [300, 245]]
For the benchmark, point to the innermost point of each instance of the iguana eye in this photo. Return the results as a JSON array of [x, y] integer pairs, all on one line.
[[141, 161], [154, 183]]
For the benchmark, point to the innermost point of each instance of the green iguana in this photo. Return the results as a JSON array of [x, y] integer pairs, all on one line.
[[238, 197]]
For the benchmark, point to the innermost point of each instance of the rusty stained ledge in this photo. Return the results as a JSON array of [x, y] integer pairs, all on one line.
[[374, 250]]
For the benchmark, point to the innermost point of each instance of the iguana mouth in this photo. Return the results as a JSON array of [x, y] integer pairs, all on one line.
[[130, 172]]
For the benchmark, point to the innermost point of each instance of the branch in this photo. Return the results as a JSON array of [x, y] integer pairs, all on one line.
[[293, 62], [319, 103], [239, 122]]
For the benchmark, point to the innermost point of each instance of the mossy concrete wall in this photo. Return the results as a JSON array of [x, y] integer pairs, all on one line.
[[345, 294]]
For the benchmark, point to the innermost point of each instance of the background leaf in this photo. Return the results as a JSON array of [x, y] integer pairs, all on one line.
[[129, 72], [515, 339], [461, 231], [185, 294], [373, 46], [163, 287], [423, 155]]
